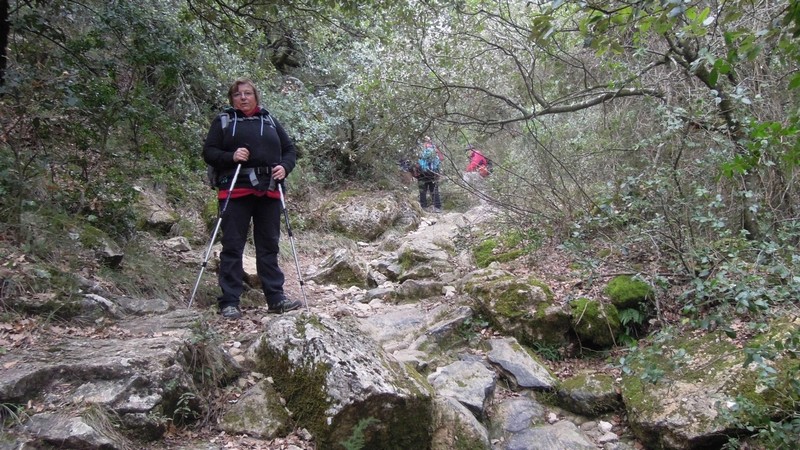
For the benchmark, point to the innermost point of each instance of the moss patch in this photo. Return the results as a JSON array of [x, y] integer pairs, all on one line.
[[505, 248], [513, 302], [92, 237], [628, 292], [407, 260], [211, 213], [483, 252], [391, 423], [302, 386], [344, 196]]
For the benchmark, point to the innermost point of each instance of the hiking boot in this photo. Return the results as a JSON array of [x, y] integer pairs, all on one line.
[[231, 312], [437, 210], [284, 306]]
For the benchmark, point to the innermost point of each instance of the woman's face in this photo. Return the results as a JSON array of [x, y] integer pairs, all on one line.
[[244, 99]]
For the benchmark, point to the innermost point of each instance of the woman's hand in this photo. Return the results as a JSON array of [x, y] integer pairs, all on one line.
[[241, 155], [278, 172]]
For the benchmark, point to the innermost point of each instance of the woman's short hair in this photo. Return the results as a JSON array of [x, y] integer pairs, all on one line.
[[235, 88]]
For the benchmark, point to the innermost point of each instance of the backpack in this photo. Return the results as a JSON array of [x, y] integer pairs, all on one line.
[[485, 170], [429, 161], [212, 173]]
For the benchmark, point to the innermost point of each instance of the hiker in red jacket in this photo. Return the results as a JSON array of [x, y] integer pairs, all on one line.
[[477, 162]]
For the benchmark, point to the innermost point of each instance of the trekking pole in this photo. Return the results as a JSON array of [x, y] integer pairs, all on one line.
[[214, 235], [291, 240]]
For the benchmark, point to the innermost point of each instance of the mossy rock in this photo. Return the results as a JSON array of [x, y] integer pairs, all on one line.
[[341, 268], [490, 283], [361, 217], [673, 391], [589, 394], [628, 292], [93, 237], [301, 387], [597, 324], [258, 412], [522, 308], [411, 257], [398, 417]]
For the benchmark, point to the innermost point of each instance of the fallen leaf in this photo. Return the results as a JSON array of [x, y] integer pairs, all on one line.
[[10, 364]]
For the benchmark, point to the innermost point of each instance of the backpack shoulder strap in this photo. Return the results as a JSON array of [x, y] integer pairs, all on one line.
[[226, 116], [224, 120]]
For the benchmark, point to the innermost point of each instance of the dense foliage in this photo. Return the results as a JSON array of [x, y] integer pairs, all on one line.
[[667, 128]]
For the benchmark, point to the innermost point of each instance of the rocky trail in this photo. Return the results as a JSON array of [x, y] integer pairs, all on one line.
[[400, 346]]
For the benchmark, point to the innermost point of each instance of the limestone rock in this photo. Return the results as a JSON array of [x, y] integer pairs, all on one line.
[[589, 394], [522, 368], [514, 416], [341, 268], [139, 378], [342, 380], [364, 216], [258, 412], [471, 383], [456, 427]]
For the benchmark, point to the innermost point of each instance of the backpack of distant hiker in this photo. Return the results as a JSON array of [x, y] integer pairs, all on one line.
[[485, 170], [212, 173], [429, 162], [414, 169]]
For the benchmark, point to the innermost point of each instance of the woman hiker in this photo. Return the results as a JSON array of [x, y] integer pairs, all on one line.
[[249, 136]]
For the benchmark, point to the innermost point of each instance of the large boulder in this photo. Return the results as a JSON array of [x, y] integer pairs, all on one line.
[[363, 216], [342, 386], [689, 400]]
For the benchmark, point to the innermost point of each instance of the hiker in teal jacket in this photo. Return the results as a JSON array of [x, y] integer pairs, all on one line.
[[249, 136], [428, 175]]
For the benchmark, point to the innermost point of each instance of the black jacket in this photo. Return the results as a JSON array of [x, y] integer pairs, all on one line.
[[264, 136]]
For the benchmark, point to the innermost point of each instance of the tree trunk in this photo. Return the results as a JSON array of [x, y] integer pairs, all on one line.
[[5, 28]]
